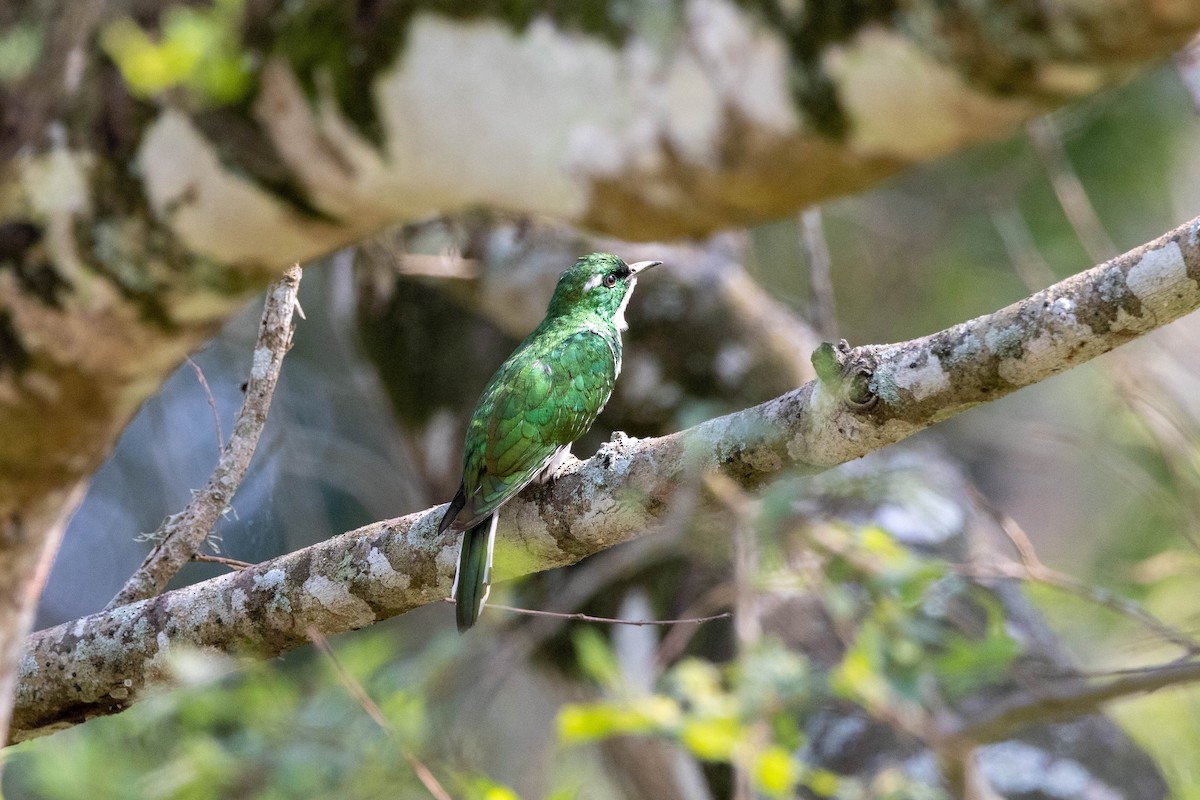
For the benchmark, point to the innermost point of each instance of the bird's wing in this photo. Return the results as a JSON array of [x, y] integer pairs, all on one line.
[[533, 406]]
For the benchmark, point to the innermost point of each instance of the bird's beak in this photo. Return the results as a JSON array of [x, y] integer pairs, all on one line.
[[634, 269]]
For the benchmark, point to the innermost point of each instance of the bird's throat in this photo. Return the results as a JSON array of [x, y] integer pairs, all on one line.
[[619, 317]]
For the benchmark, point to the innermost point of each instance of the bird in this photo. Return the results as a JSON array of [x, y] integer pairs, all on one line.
[[542, 398]]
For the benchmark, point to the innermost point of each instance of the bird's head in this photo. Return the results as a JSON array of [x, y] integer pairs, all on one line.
[[597, 285]]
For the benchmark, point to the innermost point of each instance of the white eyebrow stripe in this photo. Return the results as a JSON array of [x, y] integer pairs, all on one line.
[[593, 282]]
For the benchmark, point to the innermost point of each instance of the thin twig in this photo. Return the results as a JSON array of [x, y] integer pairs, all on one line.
[[1063, 700], [212, 404], [820, 281], [232, 563], [747, 627], [1034, 569], [1187, 64], [1069, 189], [1031, 266], [373, 710], [533, 612], [676, 641], [182, 535]]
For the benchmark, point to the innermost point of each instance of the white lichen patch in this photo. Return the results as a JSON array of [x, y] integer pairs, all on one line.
[[130, 619], [967, 348], [335, 598], [747, 64], [382, 572], [1158, 275], [922, 381], [237, 601], [532, 93], [215, 211], [271, 579], [27, 667], [888, 84], [1004, 341], [260, 363]]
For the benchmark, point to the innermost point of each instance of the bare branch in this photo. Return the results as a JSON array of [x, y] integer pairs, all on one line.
[[820, 281], [1060, 700], [1187, 62], [232, 563], [1072, 196], [182, 535], [868, 397], [212, 403], [581, 617], [1032, 568]]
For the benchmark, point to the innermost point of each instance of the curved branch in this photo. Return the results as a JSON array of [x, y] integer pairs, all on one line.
[[867, 398], [182, 535]]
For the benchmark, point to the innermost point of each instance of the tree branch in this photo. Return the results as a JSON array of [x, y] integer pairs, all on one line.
[[868, 397], [1061, 699], [182, 535]]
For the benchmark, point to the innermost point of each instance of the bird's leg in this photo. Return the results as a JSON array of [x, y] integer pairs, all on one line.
[[550, 471]]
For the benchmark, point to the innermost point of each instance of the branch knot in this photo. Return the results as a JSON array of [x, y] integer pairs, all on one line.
[[847, 372]]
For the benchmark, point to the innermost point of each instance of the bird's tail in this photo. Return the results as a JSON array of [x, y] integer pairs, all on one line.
[[474, 564]]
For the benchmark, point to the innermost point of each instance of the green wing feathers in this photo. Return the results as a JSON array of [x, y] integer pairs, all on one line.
[[544, 397]]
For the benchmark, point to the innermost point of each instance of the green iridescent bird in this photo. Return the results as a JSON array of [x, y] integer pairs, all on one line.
[[544, 397]]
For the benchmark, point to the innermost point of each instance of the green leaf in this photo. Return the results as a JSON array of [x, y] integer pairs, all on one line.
[[774, 772], [595, 656], [579, 723], [712, 739], [967, 663]]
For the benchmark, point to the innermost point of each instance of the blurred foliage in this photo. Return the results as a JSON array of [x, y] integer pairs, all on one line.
[[20, 47], [197, 49], [270, 731], [917, 637]]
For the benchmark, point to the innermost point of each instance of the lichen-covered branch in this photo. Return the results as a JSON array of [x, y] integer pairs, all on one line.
[[873, 396], [183, 534], [343, 119]]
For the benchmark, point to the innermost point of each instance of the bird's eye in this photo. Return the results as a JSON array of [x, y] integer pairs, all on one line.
[[610, 280]]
